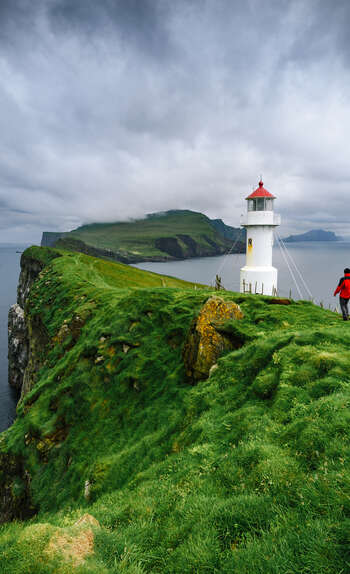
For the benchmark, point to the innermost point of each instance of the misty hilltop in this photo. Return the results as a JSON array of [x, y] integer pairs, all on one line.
[[314, 235], [163, 236]]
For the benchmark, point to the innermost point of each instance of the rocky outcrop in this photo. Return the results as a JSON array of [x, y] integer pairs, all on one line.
[[205, 343], [50, 238], [30, 269], [17, 346], [24, 340]]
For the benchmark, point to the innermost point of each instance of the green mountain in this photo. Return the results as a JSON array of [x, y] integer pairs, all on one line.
[[314, 235], [176, 234], [167, 428]]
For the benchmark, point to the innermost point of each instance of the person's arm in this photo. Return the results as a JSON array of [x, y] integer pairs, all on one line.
[[339, 286]]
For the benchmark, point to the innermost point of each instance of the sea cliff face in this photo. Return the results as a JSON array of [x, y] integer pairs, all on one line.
[[26, 340]]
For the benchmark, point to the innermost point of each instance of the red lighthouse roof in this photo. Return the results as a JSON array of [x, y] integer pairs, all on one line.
[[260, 192]]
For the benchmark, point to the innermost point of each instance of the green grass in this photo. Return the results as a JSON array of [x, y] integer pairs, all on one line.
[[247, 472]]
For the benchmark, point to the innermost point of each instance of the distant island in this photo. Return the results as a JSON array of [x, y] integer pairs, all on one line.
[[314, 235], [164, 236]]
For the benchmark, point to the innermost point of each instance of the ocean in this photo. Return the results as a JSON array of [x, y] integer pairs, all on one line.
[[321, 265]]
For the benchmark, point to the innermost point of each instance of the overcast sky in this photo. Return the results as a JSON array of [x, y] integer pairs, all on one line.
[[112, 109]]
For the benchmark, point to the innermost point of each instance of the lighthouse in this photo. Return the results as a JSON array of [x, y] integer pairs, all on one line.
[[258, 275]]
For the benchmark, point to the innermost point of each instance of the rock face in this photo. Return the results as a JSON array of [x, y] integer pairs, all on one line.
[[205, 343], [17, 346], [50, 238], [22, 356], [18, 339]]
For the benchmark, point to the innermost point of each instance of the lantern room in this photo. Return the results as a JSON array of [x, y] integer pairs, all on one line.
[[260, 199]]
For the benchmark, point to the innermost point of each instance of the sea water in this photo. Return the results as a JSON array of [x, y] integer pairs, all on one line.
[[320, 264]]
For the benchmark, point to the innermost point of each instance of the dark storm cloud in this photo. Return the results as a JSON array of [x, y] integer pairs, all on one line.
[[137, 21], [112, 109]]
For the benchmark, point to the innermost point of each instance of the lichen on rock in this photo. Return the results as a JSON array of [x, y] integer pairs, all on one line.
[[205, 343]]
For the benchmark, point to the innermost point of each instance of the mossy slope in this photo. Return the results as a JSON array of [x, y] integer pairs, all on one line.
[[248, 471]]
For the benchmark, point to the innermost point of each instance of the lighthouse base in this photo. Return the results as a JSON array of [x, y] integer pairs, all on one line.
[[260, 280]]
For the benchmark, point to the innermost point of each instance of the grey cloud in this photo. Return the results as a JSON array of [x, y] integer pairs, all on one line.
[[113, 109]]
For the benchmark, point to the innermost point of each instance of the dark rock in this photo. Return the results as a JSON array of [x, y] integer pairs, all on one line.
[[190, 244], [15, 500], [17, 346], [30, 270], [50, 238], [26, 342], [169, 245]]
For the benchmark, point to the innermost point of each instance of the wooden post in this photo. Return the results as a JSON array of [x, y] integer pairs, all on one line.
[[250, 288], [321, 304], [290, 293], [256, 284], [243, 285], [262, 288], [218, 284]]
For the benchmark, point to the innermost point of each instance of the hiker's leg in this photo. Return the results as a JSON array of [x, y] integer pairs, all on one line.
[[344, 307]]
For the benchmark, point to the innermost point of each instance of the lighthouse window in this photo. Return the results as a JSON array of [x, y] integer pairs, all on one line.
[[260, 204], [251, 206]]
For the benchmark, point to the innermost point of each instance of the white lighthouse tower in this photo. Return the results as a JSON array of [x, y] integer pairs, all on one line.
[[258, 275]]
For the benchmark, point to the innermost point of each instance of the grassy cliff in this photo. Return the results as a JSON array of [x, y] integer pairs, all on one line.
[[245, 471], [177, 234]]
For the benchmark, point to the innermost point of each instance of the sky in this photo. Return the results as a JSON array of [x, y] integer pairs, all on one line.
[[113, 109]]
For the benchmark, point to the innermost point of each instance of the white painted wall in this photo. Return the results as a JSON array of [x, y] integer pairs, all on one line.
[[258, 275], [262, 280]]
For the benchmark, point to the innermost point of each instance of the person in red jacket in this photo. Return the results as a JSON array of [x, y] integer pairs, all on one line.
[[344, 293]]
